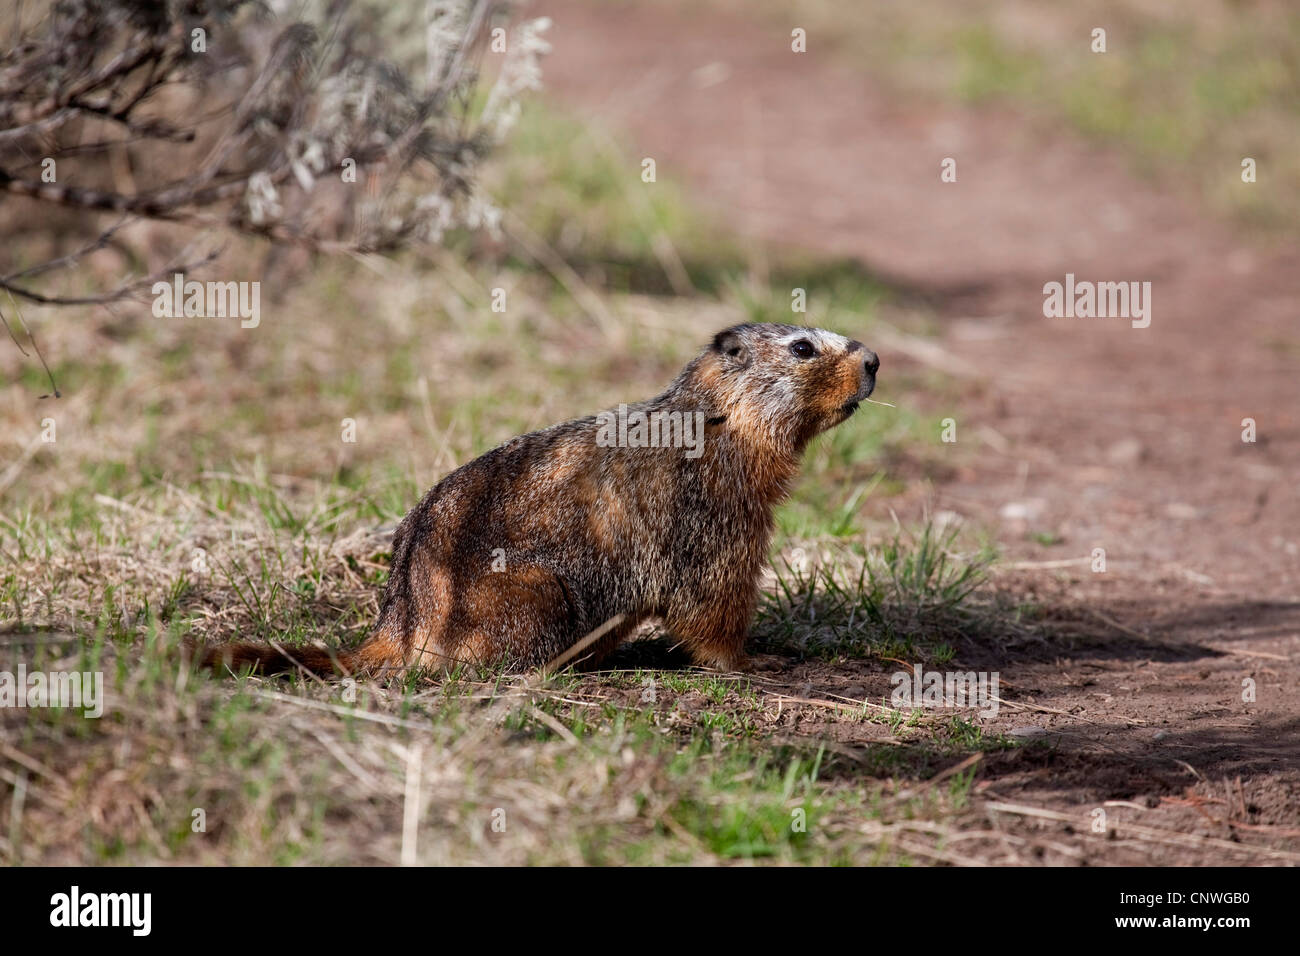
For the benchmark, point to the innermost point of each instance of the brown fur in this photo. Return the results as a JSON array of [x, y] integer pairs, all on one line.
[[516, 556]]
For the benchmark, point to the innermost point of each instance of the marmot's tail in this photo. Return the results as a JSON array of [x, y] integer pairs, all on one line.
[[269, 659], [374, 655]]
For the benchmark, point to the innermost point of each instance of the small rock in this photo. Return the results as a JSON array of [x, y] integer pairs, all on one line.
[[1023, 510], [711, 74], [1028, 732], [1126, 451]]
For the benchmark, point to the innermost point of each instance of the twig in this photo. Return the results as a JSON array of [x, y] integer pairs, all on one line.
[[31, 338]]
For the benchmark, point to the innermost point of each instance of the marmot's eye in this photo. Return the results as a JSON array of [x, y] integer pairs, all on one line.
[[803, 349]]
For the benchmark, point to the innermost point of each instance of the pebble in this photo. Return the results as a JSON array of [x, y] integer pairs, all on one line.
[[1029, 732]]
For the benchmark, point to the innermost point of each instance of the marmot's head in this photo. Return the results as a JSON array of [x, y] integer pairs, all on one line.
[[785, 381]]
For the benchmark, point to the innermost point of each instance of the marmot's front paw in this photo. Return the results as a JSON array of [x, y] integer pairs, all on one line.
[[739, 662]]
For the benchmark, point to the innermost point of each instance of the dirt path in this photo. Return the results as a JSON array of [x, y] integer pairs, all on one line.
[[1106, 435]]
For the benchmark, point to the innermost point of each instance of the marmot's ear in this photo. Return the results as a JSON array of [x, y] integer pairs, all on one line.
[[733, 347]]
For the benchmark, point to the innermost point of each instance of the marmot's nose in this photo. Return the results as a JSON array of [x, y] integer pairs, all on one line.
[[870, 360]]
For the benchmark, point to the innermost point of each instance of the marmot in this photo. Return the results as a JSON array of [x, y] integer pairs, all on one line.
[[658, 510]]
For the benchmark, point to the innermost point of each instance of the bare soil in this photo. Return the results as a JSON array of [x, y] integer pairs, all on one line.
[[1090, 433]]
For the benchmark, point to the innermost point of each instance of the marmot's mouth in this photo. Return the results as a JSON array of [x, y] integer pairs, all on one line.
[[851, 406]]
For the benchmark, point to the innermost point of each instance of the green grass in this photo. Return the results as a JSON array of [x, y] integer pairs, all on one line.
[[901, 598], [291, 772], [200, 490], [686, 773]]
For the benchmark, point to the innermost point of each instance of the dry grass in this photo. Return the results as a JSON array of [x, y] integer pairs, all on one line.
[[199, 487]]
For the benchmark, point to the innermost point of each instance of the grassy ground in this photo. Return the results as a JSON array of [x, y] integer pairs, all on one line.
[[201, 486]]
